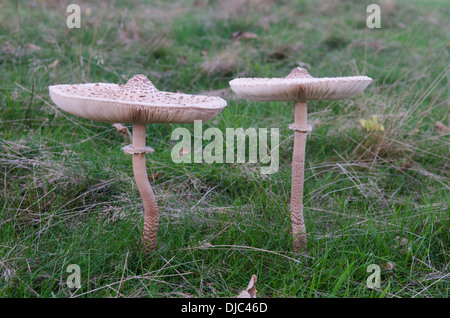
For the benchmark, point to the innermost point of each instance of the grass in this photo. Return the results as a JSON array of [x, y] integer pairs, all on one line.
[[372, 196]]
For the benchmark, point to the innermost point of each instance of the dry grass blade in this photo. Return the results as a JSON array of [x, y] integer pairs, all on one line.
[[426, 288], [206, 245]]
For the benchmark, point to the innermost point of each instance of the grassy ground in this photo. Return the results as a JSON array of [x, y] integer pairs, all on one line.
[[372, 196]]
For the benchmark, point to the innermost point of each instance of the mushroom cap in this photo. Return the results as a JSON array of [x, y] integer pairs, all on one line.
[[299, 86], [137, 101]]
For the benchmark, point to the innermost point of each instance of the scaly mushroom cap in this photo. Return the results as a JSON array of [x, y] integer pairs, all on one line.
[[137, 101], [299, 86]]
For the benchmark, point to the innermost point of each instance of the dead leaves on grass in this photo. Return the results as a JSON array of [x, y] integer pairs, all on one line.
[[250, 292], [441, 128], [239, 35], [402, 244], [123, 131]]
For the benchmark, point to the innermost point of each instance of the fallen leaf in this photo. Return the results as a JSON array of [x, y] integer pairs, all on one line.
[[244, 35], [184, 151], [54, 64], [123, 131], [183, 59], [249, 35], [441, 128], [402, 244], [402, 241], [14, 95], [388, 266], [7, 48], [304, 65], [154, 176], [236, 35], [280, 54], [32, 47], [250, 292]]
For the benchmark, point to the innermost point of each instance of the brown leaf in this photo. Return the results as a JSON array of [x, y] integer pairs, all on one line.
[[183, 59], [249, 35], [54, 64], [402, 244], [388, 266], [280, 54], [401, 241], [32, 47], [441, 128], [250, 292], [123, 131], [154, 176], [14, 95], [303, 64], [236, 35], [184, 151], [244, 35], [7, 48]]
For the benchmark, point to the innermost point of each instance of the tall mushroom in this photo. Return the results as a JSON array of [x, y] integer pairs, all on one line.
[[137, 102], [299, 87]]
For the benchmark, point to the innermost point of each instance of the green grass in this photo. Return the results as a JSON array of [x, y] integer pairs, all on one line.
[[67, 193]]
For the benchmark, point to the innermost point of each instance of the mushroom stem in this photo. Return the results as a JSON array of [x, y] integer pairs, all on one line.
[[151, 211], [298, 166]]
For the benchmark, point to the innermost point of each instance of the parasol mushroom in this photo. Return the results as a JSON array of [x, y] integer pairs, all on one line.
[[299, 86], [137, 102]]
